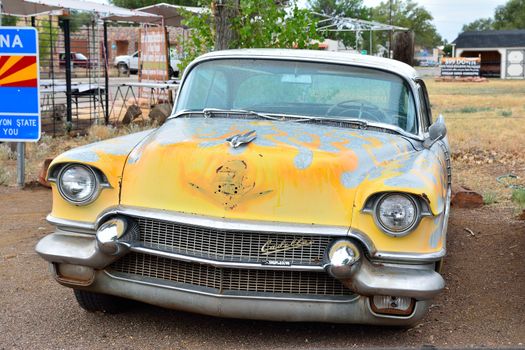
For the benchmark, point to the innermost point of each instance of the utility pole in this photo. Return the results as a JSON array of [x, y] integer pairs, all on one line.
[[390, 51]]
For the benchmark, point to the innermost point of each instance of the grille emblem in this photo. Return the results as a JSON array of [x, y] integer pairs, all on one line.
[[240, 139], [270, 248]]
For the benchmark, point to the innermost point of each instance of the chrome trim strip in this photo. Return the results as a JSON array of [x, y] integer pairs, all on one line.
[[71, 225], [254, 297], [253, 226], [229, 224], [225, 264], [364, 239], [409, 257]]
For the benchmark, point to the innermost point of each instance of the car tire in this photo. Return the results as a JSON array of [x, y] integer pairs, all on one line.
[[171, 72], [123, 68], [93, 302]]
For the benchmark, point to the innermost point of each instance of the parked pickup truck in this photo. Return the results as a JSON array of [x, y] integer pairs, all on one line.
[[130, 63], [77, 60]]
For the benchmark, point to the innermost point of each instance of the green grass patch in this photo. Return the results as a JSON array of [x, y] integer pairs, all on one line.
[[506, 113], [469, 109], [490, 198], [518, 197]]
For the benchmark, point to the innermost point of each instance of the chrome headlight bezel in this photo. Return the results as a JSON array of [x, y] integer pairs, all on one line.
[[96, 188], [420, 209]]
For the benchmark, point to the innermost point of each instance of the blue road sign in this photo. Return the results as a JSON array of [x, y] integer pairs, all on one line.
[[19, 88]]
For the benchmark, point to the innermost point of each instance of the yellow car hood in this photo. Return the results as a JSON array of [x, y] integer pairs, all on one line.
[[291, 172]]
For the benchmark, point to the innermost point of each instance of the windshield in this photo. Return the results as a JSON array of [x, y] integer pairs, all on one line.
[[300, 88]]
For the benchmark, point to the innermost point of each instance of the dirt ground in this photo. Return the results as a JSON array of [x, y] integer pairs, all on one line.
[[483, 304]]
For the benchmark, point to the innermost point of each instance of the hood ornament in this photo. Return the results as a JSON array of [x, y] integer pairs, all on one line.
[[240, 139]]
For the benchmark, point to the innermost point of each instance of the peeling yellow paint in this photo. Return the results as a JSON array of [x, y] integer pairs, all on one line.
[[292, 173]]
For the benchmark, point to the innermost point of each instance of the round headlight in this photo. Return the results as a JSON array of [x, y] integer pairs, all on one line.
[[397, 213], [78, 184]]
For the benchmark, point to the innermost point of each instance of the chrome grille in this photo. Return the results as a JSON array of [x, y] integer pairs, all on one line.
[[234, 280], [224, 245]]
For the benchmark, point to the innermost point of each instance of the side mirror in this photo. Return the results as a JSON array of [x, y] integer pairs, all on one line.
[[436, 132]]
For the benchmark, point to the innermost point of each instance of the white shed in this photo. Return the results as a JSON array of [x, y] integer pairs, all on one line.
[[502, 51]]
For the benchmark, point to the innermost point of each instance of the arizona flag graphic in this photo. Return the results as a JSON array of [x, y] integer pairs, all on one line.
[[19, 71], [18, 84]]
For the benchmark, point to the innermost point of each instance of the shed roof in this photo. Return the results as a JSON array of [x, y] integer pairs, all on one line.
[[491, 39]]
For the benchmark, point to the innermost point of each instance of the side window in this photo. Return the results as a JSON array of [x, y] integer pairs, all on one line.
[[426, 111]]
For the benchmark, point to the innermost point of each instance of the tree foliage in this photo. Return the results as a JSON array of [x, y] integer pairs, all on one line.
[[78, 19], [261, 24], [345, 8], [479, 24], [508, 16], [133, 4], [408, 14], [8, 21]]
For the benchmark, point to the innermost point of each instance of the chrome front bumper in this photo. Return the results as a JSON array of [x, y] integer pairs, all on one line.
[[356, 310], [79, 261]]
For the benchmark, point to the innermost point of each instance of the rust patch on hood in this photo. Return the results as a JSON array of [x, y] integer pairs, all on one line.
[[231, 185]]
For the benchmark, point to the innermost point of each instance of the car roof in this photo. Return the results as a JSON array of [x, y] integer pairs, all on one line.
[[386, 64]]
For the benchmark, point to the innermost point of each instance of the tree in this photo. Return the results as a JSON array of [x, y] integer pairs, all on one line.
[[345, 8], [479, 24], [408, 14], [133, 4], [8, 21], [447, 50], [263, 23], [342, 8], [510, 16], [260, 24], [78, 19], [506, 17]]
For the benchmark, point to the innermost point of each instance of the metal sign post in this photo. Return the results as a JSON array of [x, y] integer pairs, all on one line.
[[19, 90]]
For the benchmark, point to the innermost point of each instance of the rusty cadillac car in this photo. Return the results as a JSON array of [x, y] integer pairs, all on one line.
[[286, 185]]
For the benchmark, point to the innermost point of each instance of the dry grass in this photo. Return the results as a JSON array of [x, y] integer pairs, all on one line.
[[49, 147], [482, 117], [486, 128]]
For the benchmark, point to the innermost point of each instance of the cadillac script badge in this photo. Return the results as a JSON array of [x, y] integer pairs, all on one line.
[[270, 247]]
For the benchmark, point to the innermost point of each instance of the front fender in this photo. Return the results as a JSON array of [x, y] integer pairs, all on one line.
[[420, 174], [109, 157]]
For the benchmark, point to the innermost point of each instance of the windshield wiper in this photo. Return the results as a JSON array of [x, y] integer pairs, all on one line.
[[362, 123], [211, 112]]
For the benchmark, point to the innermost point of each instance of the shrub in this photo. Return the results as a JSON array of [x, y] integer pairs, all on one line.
[[506, 113], [518, 197], [490, 198]]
